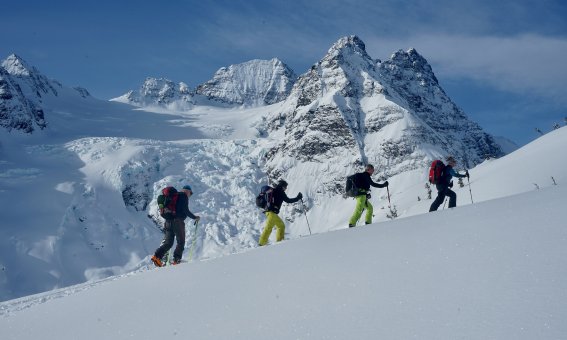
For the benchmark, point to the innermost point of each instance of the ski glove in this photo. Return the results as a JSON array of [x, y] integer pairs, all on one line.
[[386, 183], [300, 196], [467, 173]]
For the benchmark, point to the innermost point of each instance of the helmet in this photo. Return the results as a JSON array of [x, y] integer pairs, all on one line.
[[187, 187]]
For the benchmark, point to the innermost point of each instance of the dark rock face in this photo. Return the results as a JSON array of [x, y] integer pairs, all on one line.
[[17, 112]]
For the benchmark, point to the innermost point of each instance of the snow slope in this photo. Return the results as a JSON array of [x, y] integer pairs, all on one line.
[[493, 270]]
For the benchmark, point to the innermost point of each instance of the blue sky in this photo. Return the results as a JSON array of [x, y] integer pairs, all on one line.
[[501, 61]]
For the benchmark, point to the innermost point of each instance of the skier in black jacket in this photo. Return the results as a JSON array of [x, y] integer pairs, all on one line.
[[175, 228], [363, 181], [272, 210]]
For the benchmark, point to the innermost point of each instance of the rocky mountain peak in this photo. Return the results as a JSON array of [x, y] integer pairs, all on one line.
[[16, 66], [348, 45], [23, 91], [160, 91], [350, 110], [410, 64]]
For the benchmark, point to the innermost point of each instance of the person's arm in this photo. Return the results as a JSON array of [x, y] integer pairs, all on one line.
[[456, 174], [292, 200], [377, 185], [186, 211]]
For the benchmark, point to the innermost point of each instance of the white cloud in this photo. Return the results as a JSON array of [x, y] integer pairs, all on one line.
[[522, 64]]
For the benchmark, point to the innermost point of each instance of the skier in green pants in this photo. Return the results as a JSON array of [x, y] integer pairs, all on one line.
[[362, 181]]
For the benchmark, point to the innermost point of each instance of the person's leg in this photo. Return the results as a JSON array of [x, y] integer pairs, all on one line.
[[267, 228], [360, 205], [280, 228], [167, 241], [452, 198], [438, 200], [369, 212], [179, 230]]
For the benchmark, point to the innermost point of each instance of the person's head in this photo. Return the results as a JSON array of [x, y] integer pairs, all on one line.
[[451, 161], [187, 190], [282, 184], [369, 168]]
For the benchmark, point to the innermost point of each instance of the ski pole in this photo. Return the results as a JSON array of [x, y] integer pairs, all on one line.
[[444, 202], [305, 212], [468, 180], [194, 240], [389, 203]]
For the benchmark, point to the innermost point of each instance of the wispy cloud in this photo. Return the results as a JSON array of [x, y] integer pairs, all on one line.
[[523, 64]]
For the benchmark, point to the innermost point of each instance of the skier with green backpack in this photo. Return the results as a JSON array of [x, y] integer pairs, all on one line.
[[358, 186], [174, 208]]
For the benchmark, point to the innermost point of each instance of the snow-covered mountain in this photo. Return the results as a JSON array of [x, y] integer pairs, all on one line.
[[490, 270], [256, 82], [23, 92], [253, 83], [349, 109], [160, 92], [96, 170]]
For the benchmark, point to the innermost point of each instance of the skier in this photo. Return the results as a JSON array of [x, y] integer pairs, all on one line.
[[363, 181], [175, 228], [445, 183], [272, 210]]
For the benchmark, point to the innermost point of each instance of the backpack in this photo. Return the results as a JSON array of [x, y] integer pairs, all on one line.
[[350, 188], [436, 171], [265, 198], [167, 202]]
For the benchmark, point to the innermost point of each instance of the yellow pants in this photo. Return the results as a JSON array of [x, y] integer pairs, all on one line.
[[273, 220], [362, 203]]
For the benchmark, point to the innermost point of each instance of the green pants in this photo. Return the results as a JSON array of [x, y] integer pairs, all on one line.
[[362, 203], [273, 220]]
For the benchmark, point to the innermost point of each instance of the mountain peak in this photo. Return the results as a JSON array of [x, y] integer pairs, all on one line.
[[17, 66], [351, 42], [411, 59], [255, 82]]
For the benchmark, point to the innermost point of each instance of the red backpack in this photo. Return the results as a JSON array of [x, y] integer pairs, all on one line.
[[167, 202], [436, 171]]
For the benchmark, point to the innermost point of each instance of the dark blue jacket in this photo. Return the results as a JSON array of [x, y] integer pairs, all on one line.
[[448, 174], [182, 208]]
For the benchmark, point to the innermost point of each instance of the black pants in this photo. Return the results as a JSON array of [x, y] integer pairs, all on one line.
[[442, 191], [173, 228]]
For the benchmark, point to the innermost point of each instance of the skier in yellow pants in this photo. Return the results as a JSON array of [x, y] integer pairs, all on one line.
[[275, 199], [363, 181], [362, 203]]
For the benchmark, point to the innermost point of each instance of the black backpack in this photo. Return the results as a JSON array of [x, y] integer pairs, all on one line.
[[265, 198], [350, 188], [167, 202]]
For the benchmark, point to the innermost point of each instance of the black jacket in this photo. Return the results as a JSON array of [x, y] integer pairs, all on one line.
[[182, 207], [363, 182], [280, 197]]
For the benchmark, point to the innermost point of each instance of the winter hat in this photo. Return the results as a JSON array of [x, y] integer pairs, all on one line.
[[187, 187], [282, 184]]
